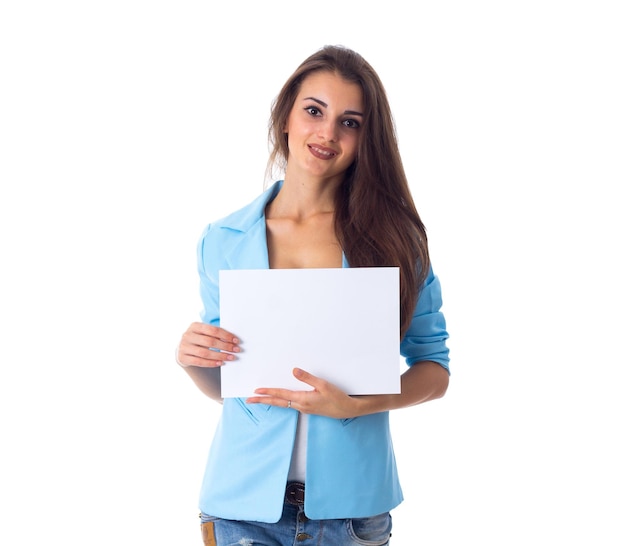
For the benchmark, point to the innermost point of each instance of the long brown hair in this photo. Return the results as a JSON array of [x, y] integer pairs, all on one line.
[[376, 221]]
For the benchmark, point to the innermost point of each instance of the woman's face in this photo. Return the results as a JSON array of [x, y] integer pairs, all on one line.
[[324, 126]]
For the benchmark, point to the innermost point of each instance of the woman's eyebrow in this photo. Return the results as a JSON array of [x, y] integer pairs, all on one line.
[[316, 100], [322, 103]]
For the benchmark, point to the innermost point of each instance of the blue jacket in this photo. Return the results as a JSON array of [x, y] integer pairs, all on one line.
[[351, 470]]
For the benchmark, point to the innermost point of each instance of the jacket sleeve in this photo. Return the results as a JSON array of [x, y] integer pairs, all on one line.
[[209, 280], [426, 337]]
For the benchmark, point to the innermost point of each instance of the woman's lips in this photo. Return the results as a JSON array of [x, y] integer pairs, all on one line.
[[322, 152]]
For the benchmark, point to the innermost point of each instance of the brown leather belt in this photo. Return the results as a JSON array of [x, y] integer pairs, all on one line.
[[294, 494]]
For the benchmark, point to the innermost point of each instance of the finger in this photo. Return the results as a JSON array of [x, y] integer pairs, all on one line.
[[272, 401], [187, 361], [205, 335], [277, 394], [308, 378], [212, 331], [206, 353], [209, 342], [193, 358], [195, 355]]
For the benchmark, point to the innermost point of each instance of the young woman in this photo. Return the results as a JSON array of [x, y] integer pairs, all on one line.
[[317, 466]]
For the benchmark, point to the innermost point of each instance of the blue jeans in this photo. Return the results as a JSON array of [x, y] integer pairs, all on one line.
[[295, 528]]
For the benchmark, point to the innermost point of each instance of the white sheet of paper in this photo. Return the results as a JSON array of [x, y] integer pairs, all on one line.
[[342, 325]]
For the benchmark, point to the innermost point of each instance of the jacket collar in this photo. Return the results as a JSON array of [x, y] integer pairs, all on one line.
[[247, 217], [250, 250]]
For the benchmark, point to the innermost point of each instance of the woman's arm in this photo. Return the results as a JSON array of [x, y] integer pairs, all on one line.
[[422, 382]]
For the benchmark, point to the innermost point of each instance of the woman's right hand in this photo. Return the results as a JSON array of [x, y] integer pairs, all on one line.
[[206, 346]]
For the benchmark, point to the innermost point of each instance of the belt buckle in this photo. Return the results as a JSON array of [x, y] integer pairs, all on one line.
[[294, 493]]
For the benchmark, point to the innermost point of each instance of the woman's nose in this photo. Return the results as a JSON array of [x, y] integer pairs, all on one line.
[[328, 131]]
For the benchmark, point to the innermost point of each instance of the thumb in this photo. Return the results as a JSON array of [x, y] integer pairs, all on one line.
[[306, 377]]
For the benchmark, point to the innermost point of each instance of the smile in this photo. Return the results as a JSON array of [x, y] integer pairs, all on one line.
[[322, 153]]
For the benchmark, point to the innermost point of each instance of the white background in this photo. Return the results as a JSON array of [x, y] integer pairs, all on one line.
[[126, 126]]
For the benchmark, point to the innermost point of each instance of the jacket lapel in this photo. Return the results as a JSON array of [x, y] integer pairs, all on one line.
[[250, 251]]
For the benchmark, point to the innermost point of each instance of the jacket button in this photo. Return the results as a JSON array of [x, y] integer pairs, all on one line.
[[302, 536]]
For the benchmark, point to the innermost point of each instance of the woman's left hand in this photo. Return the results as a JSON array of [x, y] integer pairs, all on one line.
[[325, 398]]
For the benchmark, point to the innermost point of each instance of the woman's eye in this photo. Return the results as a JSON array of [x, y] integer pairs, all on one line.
[[351, 123], [313, 110]]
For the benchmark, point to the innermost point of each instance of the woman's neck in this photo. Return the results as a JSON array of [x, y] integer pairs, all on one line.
[[302, 198]]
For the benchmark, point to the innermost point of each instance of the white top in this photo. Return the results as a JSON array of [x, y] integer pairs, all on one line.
[[297, 470]]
